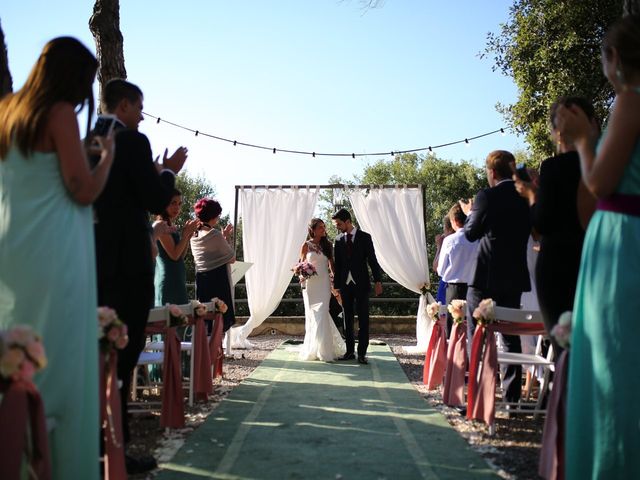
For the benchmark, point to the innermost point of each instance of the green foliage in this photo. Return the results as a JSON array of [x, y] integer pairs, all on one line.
[[444, 182], [551, 48]]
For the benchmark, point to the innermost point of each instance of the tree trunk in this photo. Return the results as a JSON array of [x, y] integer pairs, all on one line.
[[6, 83], [631, 7], [105, 27]]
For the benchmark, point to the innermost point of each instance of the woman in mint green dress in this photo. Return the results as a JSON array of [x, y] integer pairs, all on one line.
[[47, 262], [603, 414]]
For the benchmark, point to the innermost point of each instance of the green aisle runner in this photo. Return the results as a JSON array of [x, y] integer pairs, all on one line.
[[315, 420]]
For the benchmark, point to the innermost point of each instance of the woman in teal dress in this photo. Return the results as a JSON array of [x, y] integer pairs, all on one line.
[[47, 262], [170, 275], [603, 418]]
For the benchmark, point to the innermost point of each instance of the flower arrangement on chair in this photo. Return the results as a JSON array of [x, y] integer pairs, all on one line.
[[304, 271], [433, 311], [485, 313], [112, 331], [21, 353], [457, 309], [199, 309], [424, 289], [176, 317], [220, 306], [562, 330]]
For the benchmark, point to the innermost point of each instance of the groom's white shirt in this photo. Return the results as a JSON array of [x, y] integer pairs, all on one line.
[[353, 237]]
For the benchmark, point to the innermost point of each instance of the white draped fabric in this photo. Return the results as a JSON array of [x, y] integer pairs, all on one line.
[[395, 219], [274, 227]]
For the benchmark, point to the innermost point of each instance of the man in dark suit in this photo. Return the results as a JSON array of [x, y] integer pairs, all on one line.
[[122, 232], [353, 250], [499, 218]]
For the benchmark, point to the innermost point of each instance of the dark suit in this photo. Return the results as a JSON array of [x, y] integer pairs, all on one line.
[[123, 244], [355, 261], [500, 220]]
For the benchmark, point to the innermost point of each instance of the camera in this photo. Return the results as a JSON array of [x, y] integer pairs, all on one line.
[[521, 172]]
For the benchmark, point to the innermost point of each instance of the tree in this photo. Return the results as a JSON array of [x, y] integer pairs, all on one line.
[[552, 48], [105, 27], [6, 83]]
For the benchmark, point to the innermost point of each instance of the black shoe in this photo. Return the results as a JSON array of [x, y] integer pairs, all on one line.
[[363, 360], [462, 410], [347, 356], [140, 465]]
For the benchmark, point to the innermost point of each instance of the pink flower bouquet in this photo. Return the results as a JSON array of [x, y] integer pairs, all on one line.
[[458, 310], [176, 317], [304, 270], [21, 353], [112, 331], [485, 314], [220, 306], [562, 330], [433, 311]]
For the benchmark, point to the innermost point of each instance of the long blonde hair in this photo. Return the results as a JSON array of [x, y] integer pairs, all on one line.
[[64, 72]]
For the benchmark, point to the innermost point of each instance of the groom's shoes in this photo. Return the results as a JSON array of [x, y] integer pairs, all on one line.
[[363, 360], [347, 356]]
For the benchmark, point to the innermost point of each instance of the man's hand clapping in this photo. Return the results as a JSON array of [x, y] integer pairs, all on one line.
[[175, 161]]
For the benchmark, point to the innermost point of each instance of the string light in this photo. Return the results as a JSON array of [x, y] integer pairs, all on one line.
[[314, 154]]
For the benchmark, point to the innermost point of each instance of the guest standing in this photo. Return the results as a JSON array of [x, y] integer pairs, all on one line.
[[603, 419], [170, 275], [447, 229], [499, 218], [561, 208], [213, 256], [123, 232], [47, 259]]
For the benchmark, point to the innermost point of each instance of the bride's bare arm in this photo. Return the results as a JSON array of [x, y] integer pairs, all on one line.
[[303, 251]]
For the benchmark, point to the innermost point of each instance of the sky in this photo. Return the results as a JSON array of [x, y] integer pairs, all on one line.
[[321, 75]]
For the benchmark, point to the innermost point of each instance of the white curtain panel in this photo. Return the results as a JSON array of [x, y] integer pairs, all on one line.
[[274, 227], [395, 219]]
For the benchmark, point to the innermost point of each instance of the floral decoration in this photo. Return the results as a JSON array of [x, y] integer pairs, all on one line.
[[21, 353], [176, 317], [199, 309], [304, 270], [433, 311], [485, 313], [220, 306], [112, 332], [458, 310], [562, 330], [424, 289]]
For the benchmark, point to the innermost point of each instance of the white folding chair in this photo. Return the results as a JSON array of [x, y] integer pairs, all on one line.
[[153, 352], [529, 317]]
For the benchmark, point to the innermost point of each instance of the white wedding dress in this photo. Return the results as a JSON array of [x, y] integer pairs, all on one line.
[[322, 340]]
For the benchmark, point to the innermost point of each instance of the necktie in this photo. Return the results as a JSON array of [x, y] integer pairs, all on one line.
[[349, 244]]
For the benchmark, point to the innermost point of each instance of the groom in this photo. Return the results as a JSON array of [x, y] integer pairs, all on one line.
[[353, 249]]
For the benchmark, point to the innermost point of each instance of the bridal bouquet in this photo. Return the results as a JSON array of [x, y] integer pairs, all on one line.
[[220, 306], [176, 317], [485, 314], [457, 309], [304, 270], [562, 330], [21, 353]]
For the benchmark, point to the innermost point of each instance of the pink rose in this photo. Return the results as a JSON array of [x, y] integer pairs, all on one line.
[[175, 311], [20, 335], [113, 334], [10, 361], [122, 341], [485, 313], [27, 371], [36, 351], [457, 309], [106, 316], [433, 310]]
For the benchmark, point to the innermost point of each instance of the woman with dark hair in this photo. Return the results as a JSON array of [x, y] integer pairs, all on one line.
[[47, 260], [322, 340], [561, 208], [213, 256], [603, 419], [170, 273]]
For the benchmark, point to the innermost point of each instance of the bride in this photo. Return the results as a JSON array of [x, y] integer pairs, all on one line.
[[322, 341]]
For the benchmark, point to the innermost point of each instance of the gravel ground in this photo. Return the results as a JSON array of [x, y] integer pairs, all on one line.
[[512, 451]]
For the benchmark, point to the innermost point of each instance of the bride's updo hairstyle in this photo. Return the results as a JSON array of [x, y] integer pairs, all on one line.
[[325, 244]]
